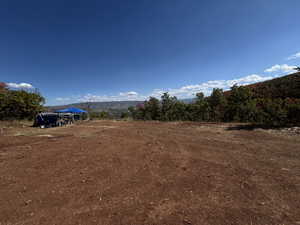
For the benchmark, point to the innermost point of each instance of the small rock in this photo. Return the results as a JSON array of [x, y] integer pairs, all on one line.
[[28, 202]]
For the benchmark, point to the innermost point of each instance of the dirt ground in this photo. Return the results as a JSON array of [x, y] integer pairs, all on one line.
[[132, 173]]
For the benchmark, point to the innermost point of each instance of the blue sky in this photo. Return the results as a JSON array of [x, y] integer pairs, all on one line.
[[124, 50]]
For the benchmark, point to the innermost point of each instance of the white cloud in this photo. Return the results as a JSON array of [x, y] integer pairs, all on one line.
[[63, 99], [280, 68], [295, 56], [123, 96], [20, 85], [207, 87], [129, 93], [94, 98]]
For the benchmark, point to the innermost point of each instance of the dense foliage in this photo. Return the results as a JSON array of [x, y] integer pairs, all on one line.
[[99, 115], [282, 87], [19, 104], [261, 105]]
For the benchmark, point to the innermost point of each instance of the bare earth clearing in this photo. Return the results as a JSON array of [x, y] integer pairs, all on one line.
[[131, 173]]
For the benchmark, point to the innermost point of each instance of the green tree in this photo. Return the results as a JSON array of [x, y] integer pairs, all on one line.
[[138, 112], [20, 104], [201, 108], [293, 114], [272, 112], [217, 102], [167, 103], [152, 109], [241, 106], [132, 112], [177, 111], [99, 115]]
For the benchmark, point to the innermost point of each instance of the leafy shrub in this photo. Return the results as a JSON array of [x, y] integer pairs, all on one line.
[[19, 104]]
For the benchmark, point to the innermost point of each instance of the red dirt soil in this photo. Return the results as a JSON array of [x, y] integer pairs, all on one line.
[[131, 173]]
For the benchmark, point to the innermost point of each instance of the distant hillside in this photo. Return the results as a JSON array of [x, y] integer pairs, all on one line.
[[104, 106], [99, 106], [282, 87]]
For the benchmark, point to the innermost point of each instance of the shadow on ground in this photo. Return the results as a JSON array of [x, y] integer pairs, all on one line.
[[256, 126]]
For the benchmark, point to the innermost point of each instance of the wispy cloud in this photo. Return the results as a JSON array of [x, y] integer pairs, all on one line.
[[280, 68], [207, 87], [129, 94], [123, 96], [20, 85], [295, 56], [63, 99]]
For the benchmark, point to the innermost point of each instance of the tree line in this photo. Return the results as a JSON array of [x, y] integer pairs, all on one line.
[[19, 104], [240, 104]]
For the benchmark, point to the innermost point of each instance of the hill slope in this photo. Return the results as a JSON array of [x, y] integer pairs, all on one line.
[[99, 106], [282, 87]]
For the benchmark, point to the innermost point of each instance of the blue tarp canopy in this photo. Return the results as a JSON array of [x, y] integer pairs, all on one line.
[[71, 110]]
